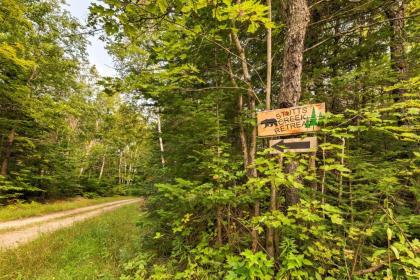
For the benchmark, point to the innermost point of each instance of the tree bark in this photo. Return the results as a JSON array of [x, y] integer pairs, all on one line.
[[292, 196], [7, 151], [395, 13], [297, 22], [269, 61], [273, 198], [298, 18], [242, 134]]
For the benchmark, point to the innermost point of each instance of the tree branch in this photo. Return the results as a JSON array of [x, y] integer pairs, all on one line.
[[378, 267], [357, 29]]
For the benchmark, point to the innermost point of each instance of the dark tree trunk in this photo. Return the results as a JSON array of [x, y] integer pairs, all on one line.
[[395, 14], [219, 229], [298, 18], [7, 151], [291, 194], [273, 198]]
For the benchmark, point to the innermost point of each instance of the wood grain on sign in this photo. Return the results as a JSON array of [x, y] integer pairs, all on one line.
[[291, 120], [296, 145]]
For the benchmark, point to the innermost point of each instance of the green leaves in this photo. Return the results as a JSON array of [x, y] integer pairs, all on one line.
[[389, 233], [163, 5], [249, 266], [249, 11], [9, 54]]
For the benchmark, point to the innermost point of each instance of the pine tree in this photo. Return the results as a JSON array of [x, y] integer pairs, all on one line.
[[312, 121]]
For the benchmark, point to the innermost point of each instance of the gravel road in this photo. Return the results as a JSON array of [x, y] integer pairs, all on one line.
[[17, 232]]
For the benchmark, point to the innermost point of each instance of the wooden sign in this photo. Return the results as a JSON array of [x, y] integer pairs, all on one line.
[[296, 145], [291, 120]]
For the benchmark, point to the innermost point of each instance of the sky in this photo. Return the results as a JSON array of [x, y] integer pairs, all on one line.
[[98, 55]]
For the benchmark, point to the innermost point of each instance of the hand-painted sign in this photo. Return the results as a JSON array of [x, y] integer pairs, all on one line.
[[290, 120], [297, 145]]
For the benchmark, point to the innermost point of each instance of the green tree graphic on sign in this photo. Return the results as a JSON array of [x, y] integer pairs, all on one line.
[[313, 121]]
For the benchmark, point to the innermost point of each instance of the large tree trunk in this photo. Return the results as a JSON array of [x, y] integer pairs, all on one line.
[[298, 18], [395, 14], [297, 23], [7, 151]]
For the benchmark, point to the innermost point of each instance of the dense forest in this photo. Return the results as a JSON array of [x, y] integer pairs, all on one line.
[[61, 133], [178, 126]]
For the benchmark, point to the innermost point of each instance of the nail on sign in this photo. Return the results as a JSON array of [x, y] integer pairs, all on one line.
[[290, 120], [297, 145]]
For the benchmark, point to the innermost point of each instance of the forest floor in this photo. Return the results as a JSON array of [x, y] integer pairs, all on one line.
[[17, 232]]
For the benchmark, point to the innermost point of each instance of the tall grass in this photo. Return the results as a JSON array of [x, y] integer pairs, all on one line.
[[25, 210], [95, 249]]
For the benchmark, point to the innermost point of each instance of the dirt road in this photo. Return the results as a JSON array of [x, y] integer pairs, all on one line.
[[15, 233]]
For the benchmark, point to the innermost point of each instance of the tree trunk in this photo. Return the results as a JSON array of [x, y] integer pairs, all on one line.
[[250, 156], [297, 23], [219, 216], [242, 135], [102, 168], [7, 151], [269, 61], [312, 169], [119, 169], [298, 18], [270, 231], [273, 199], [89, 147], [340, 184], [162, 151], [395, 14], [219, 230], [292, 196]]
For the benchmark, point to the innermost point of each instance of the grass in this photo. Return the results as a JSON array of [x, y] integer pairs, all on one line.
[[25, 210], [94, 249]]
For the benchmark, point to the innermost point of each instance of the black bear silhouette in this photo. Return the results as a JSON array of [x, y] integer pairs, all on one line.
[[269, 122]]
